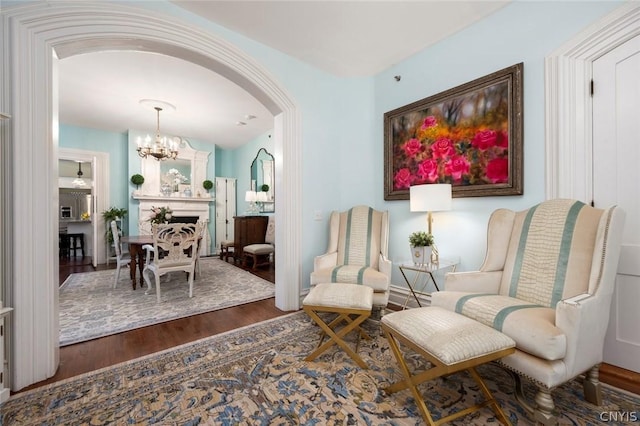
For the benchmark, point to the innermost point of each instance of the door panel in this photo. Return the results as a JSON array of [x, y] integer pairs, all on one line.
[[616, 180]]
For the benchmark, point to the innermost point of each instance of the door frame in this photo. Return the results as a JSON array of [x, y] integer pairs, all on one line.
[[100, 199], [37, 33], [568, 107]]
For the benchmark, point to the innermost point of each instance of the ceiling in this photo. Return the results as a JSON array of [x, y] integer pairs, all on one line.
[[345, 38]]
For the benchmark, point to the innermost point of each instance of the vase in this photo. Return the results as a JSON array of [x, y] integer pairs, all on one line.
[[421, 255], [165, 189]]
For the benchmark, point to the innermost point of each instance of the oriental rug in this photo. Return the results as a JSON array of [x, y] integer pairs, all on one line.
[[90, 307], [257, 375]]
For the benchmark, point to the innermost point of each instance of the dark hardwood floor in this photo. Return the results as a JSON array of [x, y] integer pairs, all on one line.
[[99, 353]]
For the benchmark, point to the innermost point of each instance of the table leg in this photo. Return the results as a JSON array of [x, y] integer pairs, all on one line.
[[133, 253], [141, 268], [411, 286]]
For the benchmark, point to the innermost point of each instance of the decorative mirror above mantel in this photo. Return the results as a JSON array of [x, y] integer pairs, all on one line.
[[262, 179], [184, 175]]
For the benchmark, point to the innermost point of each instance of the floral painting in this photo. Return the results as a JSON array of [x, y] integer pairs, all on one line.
[[469, 136]]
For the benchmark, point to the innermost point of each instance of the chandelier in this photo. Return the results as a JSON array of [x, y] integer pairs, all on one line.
[[162, 148]]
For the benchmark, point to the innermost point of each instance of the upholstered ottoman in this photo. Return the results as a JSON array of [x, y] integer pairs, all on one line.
[[351, 302], [451, 343]]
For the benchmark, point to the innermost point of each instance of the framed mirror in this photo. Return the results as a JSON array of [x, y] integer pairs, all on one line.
[[262, 178], [191, 165]]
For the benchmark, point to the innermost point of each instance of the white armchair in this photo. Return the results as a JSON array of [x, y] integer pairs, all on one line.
[[357, 252], [546, 282], [175, 248]]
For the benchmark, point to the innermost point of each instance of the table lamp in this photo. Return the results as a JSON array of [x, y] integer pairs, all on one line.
[[429, 198], [251, 197]]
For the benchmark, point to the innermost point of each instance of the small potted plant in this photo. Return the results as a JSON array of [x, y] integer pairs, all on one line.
[[114, 213], [265, 188], [137, 180], [420, 243], [207, 185]]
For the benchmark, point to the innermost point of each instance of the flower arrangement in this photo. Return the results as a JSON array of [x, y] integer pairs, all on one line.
[[160, 215], [174, 178], [421, 239], [464, 141]]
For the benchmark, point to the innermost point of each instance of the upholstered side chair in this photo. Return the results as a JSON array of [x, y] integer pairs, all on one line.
[[357, 253], [547, 281]]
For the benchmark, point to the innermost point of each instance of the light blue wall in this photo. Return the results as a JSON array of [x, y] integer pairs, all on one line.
[[115, 144], [342, 133]]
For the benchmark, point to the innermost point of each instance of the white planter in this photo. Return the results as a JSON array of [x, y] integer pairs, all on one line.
[[421, 255]]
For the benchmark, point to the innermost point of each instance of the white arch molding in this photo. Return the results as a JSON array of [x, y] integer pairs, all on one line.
[[39, 32], [568, 107]]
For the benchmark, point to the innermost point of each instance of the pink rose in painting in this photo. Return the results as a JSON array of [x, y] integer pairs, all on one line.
[[429, 122], [502, 140], [402, 179], [428, 170], [498, 170], [456, 167], [412, 147], [442, 148], [484, 139]]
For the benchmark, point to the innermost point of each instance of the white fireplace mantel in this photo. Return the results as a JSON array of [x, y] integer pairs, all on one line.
[[180, 206]]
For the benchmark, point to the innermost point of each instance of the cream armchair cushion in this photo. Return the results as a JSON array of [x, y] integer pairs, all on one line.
[[357, 252], [546, 282]]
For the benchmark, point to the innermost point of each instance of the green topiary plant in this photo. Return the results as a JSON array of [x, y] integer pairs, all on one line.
[[137, 180], [207, 184], [421, 239], [265, 188]]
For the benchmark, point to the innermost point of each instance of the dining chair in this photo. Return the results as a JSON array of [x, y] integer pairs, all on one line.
[[175, 248], [122, 258]]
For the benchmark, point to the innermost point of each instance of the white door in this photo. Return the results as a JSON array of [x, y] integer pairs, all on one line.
[[616, 180]]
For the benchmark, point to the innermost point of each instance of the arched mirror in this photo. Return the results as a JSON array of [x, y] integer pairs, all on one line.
[[262, 179]]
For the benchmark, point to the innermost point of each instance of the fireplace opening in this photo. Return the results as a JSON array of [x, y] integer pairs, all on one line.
[[184, 219]]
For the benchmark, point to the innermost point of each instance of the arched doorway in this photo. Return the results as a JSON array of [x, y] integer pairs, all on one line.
[[39, 34]]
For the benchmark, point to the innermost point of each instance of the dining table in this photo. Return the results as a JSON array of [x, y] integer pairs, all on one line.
[[137, 254]]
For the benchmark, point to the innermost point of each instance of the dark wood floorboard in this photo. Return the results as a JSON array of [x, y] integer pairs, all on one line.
[[92, 355]]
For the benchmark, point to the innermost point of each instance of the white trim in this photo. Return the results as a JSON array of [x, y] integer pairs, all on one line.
[[101, 188], [33, 34], [568, 72]]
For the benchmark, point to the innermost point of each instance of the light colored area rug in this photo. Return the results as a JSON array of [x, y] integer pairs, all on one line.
[[90, 307], [257, 376]]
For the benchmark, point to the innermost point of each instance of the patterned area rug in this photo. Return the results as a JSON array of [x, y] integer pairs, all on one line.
[[256, 376], [91, 308]]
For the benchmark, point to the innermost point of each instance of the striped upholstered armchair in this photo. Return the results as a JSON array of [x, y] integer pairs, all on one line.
[[357, 252], [546, 282]]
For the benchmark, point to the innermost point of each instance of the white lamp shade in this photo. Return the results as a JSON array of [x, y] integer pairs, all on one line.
[[250, 196], [433, 197], [262, 196]]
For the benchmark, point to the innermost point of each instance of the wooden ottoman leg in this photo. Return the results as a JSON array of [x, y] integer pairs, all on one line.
[[337, 338]]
